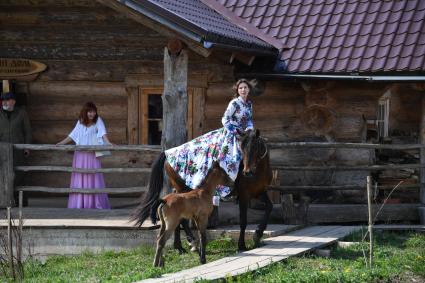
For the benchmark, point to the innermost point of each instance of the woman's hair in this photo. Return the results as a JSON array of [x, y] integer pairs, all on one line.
[[84, 119], [236, 86]]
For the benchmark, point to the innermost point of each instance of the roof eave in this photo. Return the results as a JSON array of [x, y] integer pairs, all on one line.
[[188, 29]]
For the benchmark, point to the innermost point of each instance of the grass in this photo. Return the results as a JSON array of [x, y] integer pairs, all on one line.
[[399, 257]]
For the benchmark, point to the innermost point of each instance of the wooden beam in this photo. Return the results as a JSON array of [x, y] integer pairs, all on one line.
[[80, 170], [132, 115], [134, 15], [7, 175]]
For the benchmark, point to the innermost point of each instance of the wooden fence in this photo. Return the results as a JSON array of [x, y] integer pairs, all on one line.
[[7, 170]]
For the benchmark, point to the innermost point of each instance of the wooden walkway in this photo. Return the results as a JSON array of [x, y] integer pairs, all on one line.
[[275, 249]]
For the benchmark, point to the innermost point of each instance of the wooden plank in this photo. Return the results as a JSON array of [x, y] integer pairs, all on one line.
[[349, 168], [80, 170], [7, 175], [132, 115], [281, 145], [276, 248], [190, 111], [218, 264], [199, 111], [84, 191], [338, 187], [143, 116], [136, 148]]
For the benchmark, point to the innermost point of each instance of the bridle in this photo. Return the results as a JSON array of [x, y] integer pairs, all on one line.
[[265, 146]]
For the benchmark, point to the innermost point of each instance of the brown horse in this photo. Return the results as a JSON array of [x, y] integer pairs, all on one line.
[[195, 204], [254, 177]]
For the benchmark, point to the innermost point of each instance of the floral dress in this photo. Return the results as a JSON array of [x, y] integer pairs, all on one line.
[[193, 159]]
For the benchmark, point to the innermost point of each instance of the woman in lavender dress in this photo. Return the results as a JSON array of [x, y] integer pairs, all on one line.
[[89, 130], [193, 159]]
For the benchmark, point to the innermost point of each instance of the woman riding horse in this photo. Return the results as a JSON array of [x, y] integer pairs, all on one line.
[[192, 160], [188, 164]]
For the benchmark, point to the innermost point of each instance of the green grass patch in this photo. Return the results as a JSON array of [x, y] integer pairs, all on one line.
[[399, 257]]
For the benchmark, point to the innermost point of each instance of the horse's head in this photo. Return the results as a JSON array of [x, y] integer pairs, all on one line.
[[253, 150]]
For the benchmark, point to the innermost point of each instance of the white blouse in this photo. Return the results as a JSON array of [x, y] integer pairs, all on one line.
[[91, 135]]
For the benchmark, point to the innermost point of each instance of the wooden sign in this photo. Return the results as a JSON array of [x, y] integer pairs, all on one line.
[[15, 68]]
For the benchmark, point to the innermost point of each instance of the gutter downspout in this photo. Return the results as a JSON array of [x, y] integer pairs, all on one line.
[[335, 77]]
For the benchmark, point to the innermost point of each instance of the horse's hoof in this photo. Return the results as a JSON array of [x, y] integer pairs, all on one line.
[[203, 261], [242, 249], [257, 240], [181, 250]]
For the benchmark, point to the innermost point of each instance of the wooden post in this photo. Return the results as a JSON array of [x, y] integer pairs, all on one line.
[[422, 170], [370, 221], [132, 115], [9, 242], [174, 98], [289, 216], [7, 175]]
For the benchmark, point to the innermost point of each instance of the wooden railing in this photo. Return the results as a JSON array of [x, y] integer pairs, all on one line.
[[6, 172]]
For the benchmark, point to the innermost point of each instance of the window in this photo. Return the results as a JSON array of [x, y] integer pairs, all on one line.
[[382, 122], [150, 114]]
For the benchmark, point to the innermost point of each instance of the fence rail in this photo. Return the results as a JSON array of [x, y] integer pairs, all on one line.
[[275, 166]]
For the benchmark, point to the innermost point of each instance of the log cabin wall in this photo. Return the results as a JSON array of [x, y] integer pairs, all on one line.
[[325, 111], [91, 53]]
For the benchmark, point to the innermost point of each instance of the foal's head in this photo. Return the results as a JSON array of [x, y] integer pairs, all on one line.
[[253, 150], [216, 176]]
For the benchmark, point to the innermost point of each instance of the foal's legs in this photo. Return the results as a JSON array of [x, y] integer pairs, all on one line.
[[263, 224], [167, 228], [201, 224]]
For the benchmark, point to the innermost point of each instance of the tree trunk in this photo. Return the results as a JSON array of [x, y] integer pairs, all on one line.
[[174, 99]]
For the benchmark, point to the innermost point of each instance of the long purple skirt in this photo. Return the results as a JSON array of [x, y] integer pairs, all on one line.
[[87, 160]]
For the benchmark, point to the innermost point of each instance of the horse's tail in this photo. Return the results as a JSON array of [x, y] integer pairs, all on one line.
[[151, 200]]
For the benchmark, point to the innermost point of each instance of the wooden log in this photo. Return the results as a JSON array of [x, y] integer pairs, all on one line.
[[338, 188], [136, 148], [340, 213], [79, 170], [281, 145], [174, 99], [83, 191], [348, 168], [7, 175]]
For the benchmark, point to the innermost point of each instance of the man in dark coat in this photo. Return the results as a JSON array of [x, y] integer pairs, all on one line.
[[14, 128], [14, 122]]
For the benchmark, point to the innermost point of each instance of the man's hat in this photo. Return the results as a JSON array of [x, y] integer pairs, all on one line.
[[8, 95]]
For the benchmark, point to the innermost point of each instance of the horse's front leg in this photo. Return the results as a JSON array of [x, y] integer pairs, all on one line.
[[243, 210], [263, 224], [189, 235]]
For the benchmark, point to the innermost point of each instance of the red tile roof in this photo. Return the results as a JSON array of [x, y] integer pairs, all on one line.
[[336, 36]]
